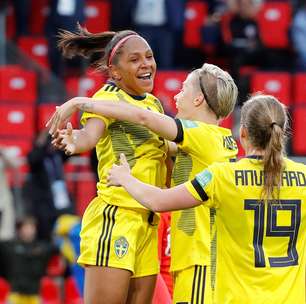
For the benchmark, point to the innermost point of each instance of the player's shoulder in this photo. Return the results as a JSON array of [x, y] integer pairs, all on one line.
[[151, 99], [222, 167], [108, 90], [292, 165]]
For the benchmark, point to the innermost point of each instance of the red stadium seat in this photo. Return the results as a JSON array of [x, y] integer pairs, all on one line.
[[298, 127], [72, 295], [56, 266], [274, 19], [85, 86], [19, 147], [241, 151], [4, 290], [17, 120], [39, 13], [36, 48], [167, 85], [299, 88], [97, 14], [49, 291], [195, 14], [10, 24], [45, 111], [85, 192], [17, 84], [276, 84], [228, 122]]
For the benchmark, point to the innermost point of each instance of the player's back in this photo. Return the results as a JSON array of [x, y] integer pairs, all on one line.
[[261, 254], [191, 231]]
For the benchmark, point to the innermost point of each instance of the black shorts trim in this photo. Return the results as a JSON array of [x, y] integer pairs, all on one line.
[[198, 285], [105, 238]]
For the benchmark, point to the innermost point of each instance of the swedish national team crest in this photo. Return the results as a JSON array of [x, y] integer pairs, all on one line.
[[121, 247]]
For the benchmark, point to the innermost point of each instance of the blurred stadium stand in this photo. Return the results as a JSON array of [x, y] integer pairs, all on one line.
[[29, 92]]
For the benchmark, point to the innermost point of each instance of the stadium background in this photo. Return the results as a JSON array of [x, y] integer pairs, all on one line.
[[30, 87]]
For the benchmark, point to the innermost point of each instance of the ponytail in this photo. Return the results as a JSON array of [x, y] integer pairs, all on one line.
[[265, 119], [273, 163], [86, 44]]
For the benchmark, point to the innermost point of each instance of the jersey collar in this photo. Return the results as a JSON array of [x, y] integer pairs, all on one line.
[[136, 97], [254, 156]]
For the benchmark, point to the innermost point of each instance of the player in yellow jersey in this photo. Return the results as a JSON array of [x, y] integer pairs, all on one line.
[[208, 95], [119, 236], [260, 212]]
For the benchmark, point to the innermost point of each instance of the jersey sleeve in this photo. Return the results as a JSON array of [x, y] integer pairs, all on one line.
[[98, 97], [202, 187], [188, 132]]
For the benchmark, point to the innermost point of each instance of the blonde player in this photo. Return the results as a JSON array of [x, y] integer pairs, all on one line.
[[259, 201], [118, 236], [208, 95]]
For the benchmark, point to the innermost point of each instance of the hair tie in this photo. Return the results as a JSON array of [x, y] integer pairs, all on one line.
[[117, 45], [272, 124]]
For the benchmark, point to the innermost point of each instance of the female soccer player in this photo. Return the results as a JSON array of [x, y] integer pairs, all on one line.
[[259, 201], [208, 95], [119, 236]]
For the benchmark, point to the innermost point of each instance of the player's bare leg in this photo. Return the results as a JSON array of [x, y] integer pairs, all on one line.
[[141, 290], [106, 285]]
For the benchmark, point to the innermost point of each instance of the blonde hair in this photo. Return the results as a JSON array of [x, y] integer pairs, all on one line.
[[265, 119], [219, 89]]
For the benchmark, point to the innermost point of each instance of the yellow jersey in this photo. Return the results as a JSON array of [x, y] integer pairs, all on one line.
[[144, 150], [261, 254], [199, 145]]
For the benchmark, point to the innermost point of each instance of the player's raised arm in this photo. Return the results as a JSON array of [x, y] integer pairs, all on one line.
[[152, 197], [77, 141], [160, 124]]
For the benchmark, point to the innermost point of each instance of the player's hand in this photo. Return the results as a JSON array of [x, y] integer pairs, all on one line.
[[61, 115], [118, 173], [64, 140]]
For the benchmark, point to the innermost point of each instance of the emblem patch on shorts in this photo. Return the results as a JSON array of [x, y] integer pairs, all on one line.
[[121, 247]]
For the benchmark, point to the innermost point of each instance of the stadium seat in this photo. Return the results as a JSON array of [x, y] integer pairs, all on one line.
[[44, 113], [85, 192], [241, 151], [39, 13], [97, 15], [167, 85], [225, 27], [17, 120], [298, 130], [277, 84], [17, 84], [19, 147], [274, 19], [4, 290], [72, 295], [10, 24], [85, 86], [299, 88], [56, 266], [49, 291], [195, 14], [36, 48], [228, 122]]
